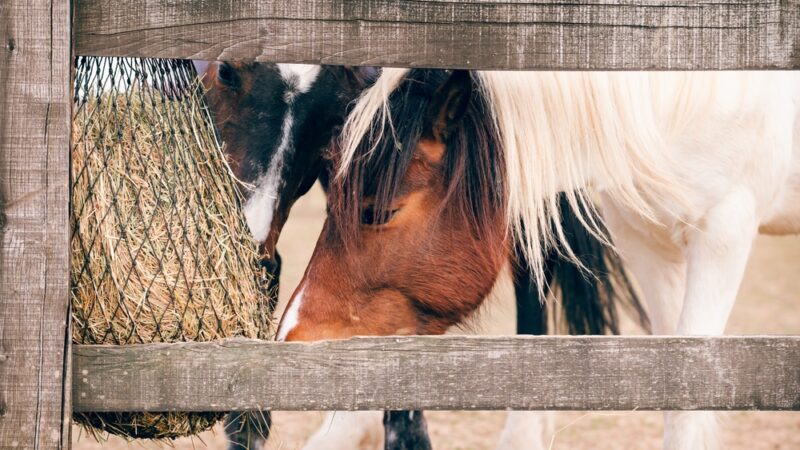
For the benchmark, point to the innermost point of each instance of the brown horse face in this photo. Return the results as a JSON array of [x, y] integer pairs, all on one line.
[[276, 121], [412, 261]]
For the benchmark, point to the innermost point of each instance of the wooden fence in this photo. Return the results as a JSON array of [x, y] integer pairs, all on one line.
[[38, 39], [450, 372]]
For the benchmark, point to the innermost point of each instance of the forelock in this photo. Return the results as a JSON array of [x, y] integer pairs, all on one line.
[[299, 77], [378, 161]]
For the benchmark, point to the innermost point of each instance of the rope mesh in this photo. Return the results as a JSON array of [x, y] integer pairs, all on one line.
[[160, 249]]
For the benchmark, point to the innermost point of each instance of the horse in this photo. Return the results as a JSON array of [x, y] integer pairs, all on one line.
[[441, 174], [277, 154], [277, 122]]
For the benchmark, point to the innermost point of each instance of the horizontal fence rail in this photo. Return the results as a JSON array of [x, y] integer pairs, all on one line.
[[452, 372], [476, 34]]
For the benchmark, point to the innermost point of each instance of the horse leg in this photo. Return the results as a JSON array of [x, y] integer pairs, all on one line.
[[527, 429], [250, 430], [689, 289], [659, 267], [406, 430], [717, 255], [589, 303], [348, 430]]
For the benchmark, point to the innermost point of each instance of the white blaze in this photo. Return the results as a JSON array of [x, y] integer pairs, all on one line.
[[260, 207], [291, 316]]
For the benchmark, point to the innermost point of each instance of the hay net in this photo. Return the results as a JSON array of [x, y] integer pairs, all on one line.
[[160, 249]]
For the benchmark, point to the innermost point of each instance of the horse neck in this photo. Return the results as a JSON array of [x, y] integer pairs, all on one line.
[[597, 131], [577, 133]]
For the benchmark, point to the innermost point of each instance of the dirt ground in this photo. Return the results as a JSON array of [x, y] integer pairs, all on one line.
[[768, 304]]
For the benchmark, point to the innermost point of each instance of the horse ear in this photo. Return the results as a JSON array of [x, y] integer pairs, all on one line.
[[449, 103], [226, 76], [353, 78]]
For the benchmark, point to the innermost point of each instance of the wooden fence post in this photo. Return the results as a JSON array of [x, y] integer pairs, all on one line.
[[35, 112]]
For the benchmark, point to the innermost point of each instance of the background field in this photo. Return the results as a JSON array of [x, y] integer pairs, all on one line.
[[768, 303]]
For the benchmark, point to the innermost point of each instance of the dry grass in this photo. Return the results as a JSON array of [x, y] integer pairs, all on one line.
[[160, 250]]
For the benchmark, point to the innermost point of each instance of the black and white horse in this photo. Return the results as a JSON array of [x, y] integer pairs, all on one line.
[[279, 124]]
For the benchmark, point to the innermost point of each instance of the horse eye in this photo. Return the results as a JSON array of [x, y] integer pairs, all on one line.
[[370, 217], [227, 76]]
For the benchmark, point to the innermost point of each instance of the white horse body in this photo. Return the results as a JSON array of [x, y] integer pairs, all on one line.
[[741, 141], [736, 164], [666, 146], [741, 171]]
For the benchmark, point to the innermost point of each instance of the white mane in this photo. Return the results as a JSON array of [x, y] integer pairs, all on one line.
[[568, 131], [373, 101]]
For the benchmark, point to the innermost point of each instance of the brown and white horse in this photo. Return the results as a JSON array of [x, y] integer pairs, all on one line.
[[440, 175], [277, 122]]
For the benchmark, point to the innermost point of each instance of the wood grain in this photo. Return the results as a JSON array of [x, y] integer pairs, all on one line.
[[35, 105], [475, 34], [589, 373]]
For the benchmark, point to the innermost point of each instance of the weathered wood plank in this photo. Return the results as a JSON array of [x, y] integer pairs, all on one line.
[[475, 34], [444, 373], [35, 105]]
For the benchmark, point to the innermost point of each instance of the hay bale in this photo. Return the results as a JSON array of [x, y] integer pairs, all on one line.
[[160, 249]]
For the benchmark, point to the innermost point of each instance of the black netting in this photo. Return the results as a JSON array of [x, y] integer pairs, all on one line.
[[160, 249]]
